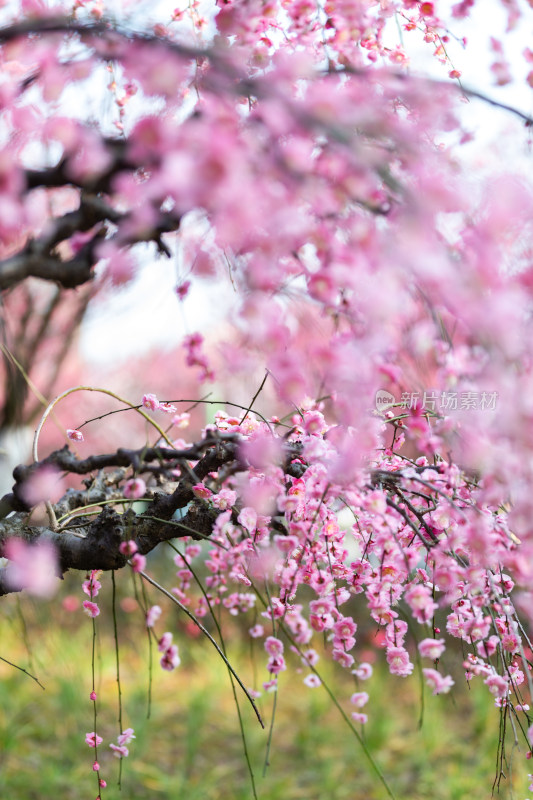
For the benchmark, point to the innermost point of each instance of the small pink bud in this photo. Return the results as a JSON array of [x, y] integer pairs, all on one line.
[[96, 766], [183, 289], [93, 696]]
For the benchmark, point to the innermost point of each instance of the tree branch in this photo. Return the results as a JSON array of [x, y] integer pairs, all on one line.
[[95, 544]]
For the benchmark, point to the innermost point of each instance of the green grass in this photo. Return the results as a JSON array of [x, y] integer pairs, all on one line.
[[191, 746]]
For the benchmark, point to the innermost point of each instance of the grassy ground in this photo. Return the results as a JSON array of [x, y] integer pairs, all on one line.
[[192, 747]]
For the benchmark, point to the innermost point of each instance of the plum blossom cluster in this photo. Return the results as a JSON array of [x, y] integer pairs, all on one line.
[[91, 586], [130, 549], [119, 750], [403, 539], [170, 658]]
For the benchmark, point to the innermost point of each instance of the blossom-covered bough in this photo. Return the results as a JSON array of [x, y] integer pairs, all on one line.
[[284, 147]]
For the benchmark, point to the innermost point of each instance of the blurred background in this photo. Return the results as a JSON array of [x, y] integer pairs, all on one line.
[[444, 748]]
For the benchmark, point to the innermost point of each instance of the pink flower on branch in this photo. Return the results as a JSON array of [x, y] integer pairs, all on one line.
[[439, 684], [202, 492], [92, 739], [273, 646], [398, 661], [170, 659], [92, 585], [128, 548], [164, 642], [150, 401], [119, 751], [134, 488], [431, 648], [152, 615], [138, 562], [126, 736], [363, 671], [497, 685], [359, 699], [248, 519], [91, 609]]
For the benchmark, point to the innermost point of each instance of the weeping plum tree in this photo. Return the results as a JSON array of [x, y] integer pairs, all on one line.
[[384, 291]]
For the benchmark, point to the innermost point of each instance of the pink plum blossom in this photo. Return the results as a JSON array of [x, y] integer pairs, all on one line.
[[92, 585], [91, 609], [126, 736], [167, 408], [224, 499], [398, 660], [34, 568], [170, 658], [181, 421], [134, 488], [497, 685], [128, 548], [248, 519], [273, 646], [45, 483], [152, 615], [202, 492], [119, 751], [359, 699], [363, 671], [138, 562], [431, 648], [438, 683], [345, 659], [150, 401], [92, 739], [164, 642]]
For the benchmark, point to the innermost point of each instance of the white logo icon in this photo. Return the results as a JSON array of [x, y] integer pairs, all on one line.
[[384, 400]]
